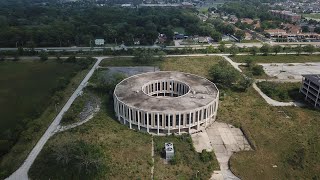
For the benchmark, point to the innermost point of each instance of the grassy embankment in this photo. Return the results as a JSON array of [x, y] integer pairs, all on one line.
[[28, 90]]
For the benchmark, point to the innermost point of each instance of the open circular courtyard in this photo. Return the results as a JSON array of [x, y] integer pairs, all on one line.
[[166, 102]]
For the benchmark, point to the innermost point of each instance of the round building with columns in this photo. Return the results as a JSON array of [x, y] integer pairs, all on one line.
[[166, 102]]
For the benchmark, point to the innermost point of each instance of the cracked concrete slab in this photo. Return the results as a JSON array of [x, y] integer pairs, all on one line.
[[224, 140]]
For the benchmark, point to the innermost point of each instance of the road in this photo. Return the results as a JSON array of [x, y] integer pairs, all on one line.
[[177, 46], [22, 172]]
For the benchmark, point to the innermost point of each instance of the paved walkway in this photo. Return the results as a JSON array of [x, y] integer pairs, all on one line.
[[234, 64], [224, 140], [22, 172]]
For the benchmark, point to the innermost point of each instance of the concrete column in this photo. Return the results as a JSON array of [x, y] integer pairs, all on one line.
[[179, 122], [207, 109], [138, 119], [124, 114], [198, 124], [158, 122], [307, 90], [147, 122], [317, 98], [189, 120], [130, 118]]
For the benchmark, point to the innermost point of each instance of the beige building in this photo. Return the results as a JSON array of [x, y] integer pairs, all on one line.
[[166, 102]]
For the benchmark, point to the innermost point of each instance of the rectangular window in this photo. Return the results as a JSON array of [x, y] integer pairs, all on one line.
[[200, 114], [162, 85], [205, 114], [188, 118], [171, 121], [151, 87], [197, 116], [160, 119], [140, 117]]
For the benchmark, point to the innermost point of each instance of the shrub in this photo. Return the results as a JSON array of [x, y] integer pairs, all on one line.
[[206, 156], [257, 70]]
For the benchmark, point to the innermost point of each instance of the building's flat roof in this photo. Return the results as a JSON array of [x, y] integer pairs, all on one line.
[[315, 78], [129, 91]]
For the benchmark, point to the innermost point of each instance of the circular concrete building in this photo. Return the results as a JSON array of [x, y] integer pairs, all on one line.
[[166, 102]]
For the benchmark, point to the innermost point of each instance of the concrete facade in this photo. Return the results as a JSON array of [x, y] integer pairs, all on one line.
[[166, 102], [311, 88]]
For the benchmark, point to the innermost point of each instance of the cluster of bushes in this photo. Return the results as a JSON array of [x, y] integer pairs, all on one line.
[[254, 69], [225, 76], [73, 159], [280, 91]]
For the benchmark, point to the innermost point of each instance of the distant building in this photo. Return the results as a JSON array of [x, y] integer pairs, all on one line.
[[99, 42], [286, 15], [311, 88], [127, 5]]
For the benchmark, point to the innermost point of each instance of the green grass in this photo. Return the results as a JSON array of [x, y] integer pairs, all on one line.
[[251, 41], [313, 15], [278, 58], [31, 85], [193, 65], [276, 138], [188, 161], [281, 91], [26, 88], [246, 70], [128, 151], [292, 144], [125, 61]]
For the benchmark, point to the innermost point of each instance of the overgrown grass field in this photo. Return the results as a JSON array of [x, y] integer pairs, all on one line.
[[281, 91], [27, 91], [278, 58]]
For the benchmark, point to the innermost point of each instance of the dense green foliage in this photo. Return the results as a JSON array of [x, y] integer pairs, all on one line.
[[225, 76], [281, 91], [31, 25], [75, 159]]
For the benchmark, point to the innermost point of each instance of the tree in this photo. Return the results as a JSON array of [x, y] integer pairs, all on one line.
[[222, 47], [223, 74], [78, 157], [309, 48], [234, 50], [265, 49], [240, 34], [299, 50], [276, 49], [287, 49], [244, 83], [254, 50], [257, 70], [161, 55], [143, 56], [43, 56]]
